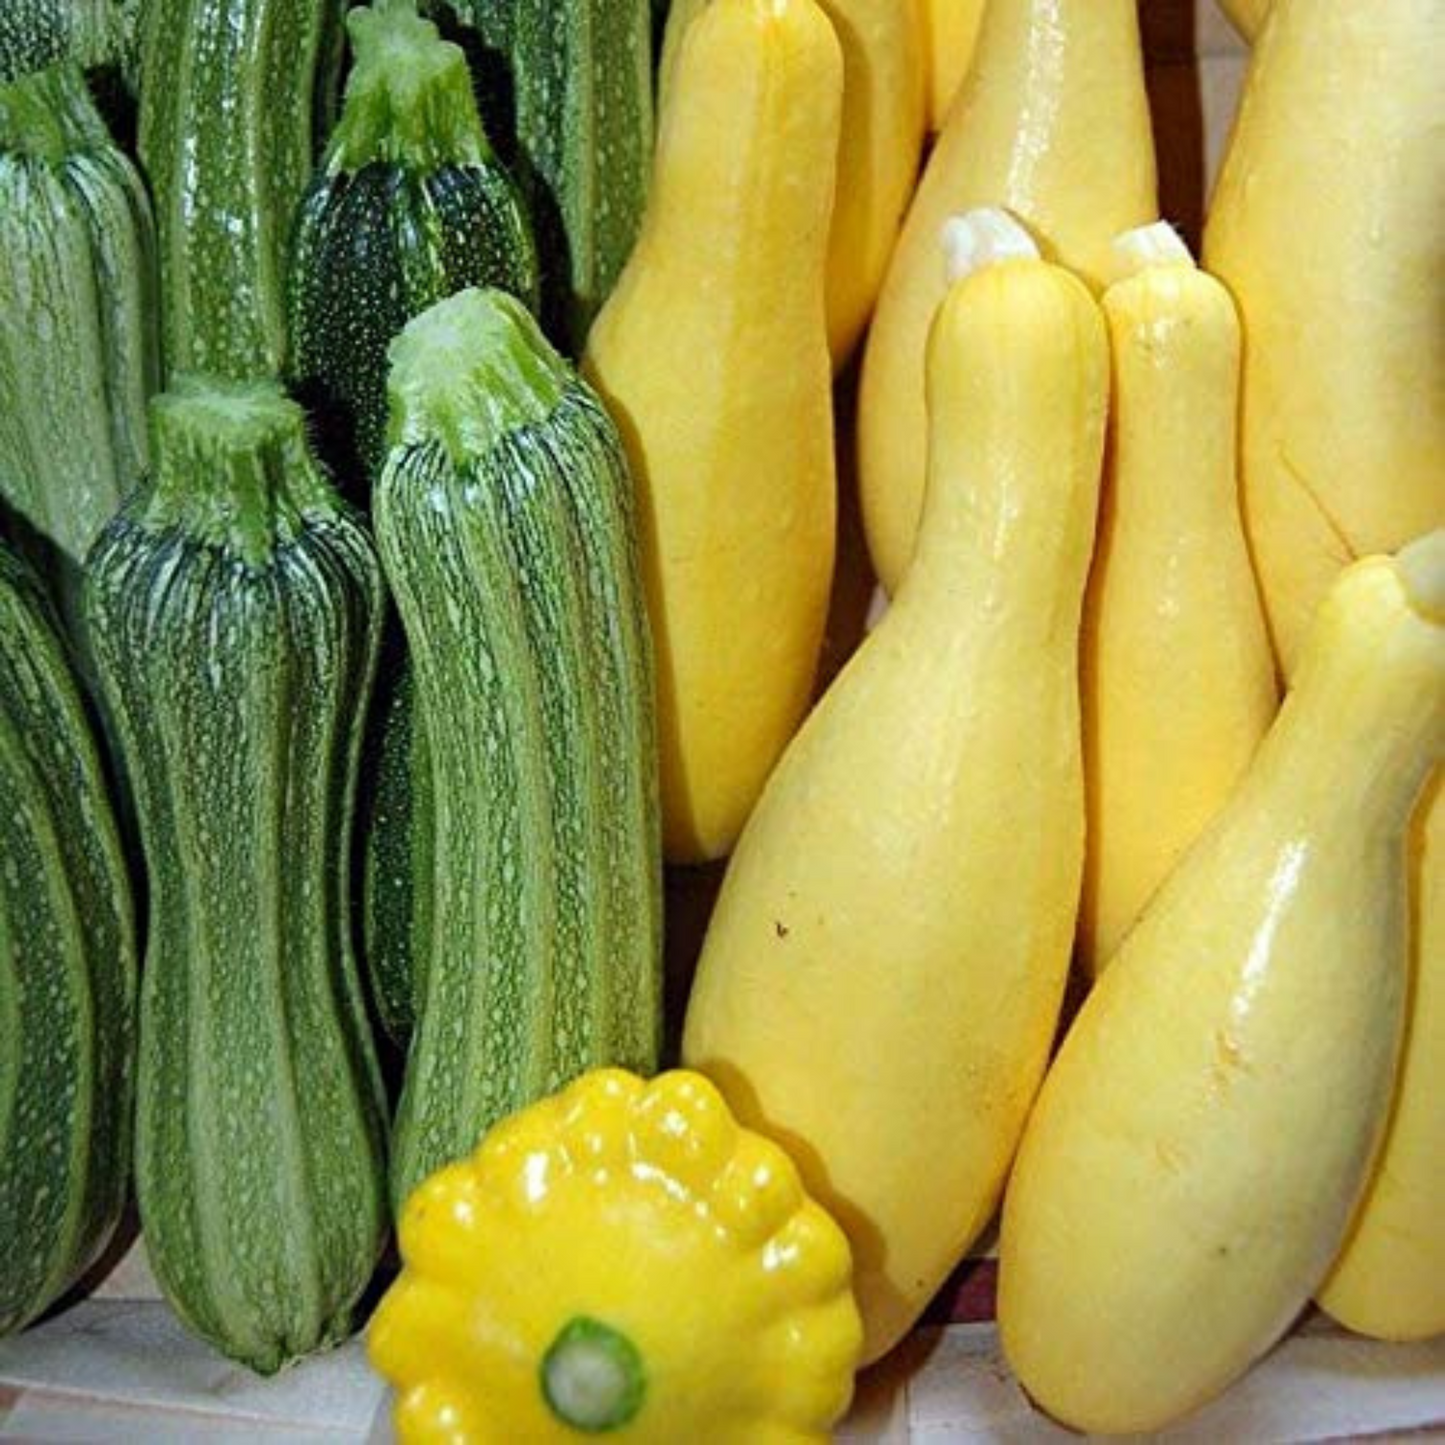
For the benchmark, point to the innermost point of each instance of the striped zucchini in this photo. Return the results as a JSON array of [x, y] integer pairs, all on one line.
[[67, 971], [409, 206], [582, 90], [77, 314], [234, 607], [229, 93], [504, 521]]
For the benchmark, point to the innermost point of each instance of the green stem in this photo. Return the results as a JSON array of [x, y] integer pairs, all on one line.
[[592, 1377], [409, 100], [50, 115]]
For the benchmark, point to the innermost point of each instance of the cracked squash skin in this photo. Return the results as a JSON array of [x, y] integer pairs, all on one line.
[[619, 1259], [881, 980], [1325, 226], [1207, 1129]]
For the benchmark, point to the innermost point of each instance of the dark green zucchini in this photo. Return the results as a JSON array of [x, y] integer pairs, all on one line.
[[234, 607], [581, 148], [229, 95], [78, 346], [36, 34], [504, 520], [67, 971], [409, 206]]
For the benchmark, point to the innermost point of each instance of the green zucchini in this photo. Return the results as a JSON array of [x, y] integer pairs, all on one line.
[[229, 94], [36, 34], [409, 206], [78, 347], [582, 103], [67, 970], [504, 522], [234, 608]]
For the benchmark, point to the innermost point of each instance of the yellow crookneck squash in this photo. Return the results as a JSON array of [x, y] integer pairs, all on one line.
[[882, 977], [1326, 227], [1178, 683], [621, 1260], [1247, 16], [951, 29], [1202, 1139], [884, 101], [713, 356], [1053, 125]]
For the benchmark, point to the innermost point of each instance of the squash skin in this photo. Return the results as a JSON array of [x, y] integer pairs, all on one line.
[[36, 34], [409, 206], [1178, 675], [1207, 1129], [951, 27], [1325, 227], [1247, 16], [1052, 125], [881, 980], [67, 970], [226, 194], [235, 605], [78, 344], [713, 356], [504, 518]]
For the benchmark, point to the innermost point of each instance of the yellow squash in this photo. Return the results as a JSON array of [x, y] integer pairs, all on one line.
[[883, 126], [713, 355], [1178, 675], [619, 1260], [1247, 16], [1206, 1131], [882, 976], [951, 28], [1389, 1281], [1326, 227], [1052, 124]]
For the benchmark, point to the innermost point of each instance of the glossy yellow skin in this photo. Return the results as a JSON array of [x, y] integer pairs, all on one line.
[[1325, 226], [1179, 682], [1247, 16], [952, 30], [1206, 1131], [713, 356], [1053, 125], [882, 976], [884, 103], [644, 1206], [1389, 1281]]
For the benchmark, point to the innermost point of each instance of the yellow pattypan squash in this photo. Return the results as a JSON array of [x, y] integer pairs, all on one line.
[[623, 1259]]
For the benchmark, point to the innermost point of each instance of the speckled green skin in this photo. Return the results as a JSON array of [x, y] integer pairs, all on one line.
[[67, 971], [35, 34], [505, 526], [227, 107], [234, 607], [78, 346], [582, 105]]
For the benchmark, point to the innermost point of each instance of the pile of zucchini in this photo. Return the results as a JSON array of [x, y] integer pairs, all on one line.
[[326, 685]]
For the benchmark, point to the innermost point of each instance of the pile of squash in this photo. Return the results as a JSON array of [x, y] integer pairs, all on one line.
[[421, 440]]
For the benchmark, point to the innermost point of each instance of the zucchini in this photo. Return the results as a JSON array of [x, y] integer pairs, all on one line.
[[36, 34], [229, 94], [234, 609], [409, 206], [78, 349], [582, 105], [67, 970], [504, 521]]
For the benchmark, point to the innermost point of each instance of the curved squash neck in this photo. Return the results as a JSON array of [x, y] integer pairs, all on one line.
[[232, 468]]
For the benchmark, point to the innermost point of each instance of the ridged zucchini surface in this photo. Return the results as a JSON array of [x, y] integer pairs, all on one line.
[[234, 607], [504, 520]]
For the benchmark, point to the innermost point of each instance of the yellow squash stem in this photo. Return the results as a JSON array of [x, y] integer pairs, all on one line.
[[1325, 226], [951, 28], [1205, 1133], [882, 138], [713, 356], [1178, 682], [622, 1260], [882, 977], [1052, 124]]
